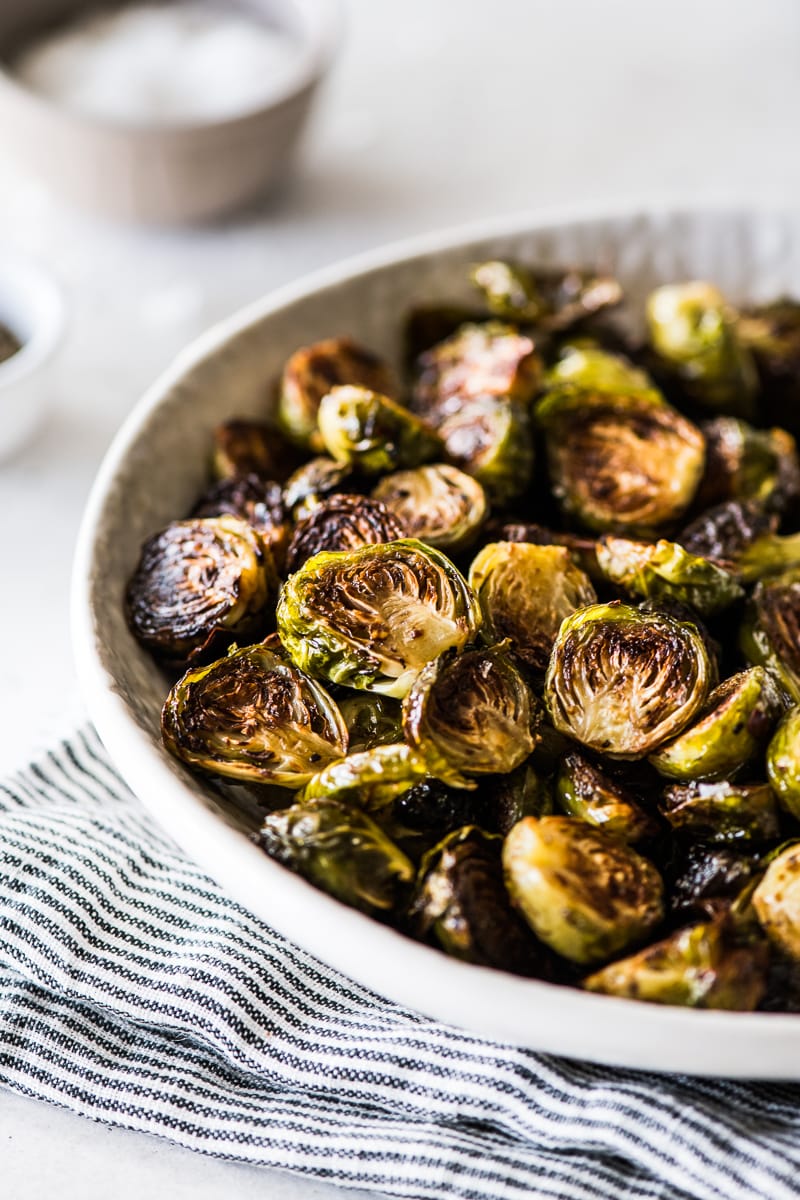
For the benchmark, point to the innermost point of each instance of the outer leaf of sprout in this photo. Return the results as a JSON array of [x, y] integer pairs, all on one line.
[[664, 570], [369, 778], [585, 791], [770, 634], [371, 720], [783, 762], [722, 811]]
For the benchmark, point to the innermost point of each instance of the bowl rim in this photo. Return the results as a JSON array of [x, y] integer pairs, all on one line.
[[322, 24], [464, 996], [43, 304]]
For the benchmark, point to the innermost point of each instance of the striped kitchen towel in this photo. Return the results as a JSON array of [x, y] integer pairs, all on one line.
[[135, 992]]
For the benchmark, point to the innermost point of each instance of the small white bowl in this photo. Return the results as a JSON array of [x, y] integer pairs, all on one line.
[[32, 308]]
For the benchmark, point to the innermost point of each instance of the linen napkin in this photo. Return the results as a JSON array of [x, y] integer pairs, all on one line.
[[132, 990]]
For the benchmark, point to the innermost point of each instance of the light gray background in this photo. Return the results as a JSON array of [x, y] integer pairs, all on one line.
[[438, 111]]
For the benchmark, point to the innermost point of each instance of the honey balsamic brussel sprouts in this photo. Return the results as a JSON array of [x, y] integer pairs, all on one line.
[[530, 705]]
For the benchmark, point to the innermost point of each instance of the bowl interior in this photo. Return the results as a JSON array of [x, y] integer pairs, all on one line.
[[157, 467]]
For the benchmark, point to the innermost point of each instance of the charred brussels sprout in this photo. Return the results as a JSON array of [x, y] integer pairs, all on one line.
[[743, 463], [470, 714], [730, 732], [341, 850], [585, 894], [703, 872], [523, 792], [620, 463], [198, 582], [372, 618], [552, 300], [257, 501], [725, 531], [369, 778], [491, 439], [704, 966], [371, 720], [313, 482], [664, 570], [374, 433], [783, 763], [589, 368], [437, 504], [525, 592], [243, 447], [770, 635], [430, 806], [585, 791], [254, 718], [486, 361], [310, 374], [462, 900], [771, 332], [342, 522], [776, 901], [693, 331], [622, 681], [722, 811]]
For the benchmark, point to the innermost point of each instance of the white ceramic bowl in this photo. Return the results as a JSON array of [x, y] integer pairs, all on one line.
[[166, 440], [31, 306]]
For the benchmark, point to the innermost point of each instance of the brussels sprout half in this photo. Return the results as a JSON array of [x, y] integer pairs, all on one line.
[[245, 447], [491, 438], [730, 732], [553, 300], [585, 894], [368, 778], [525, 591], [342, 522], [770, 635], [592, 369], [373, 433], [776, 901], [255, 500], [462, 900], [585, 791], [783, 763], [771, 332], [313, 482], [486, 361], [341, 850], [722, 811], [437, 504], [470, 714], [664, 570], [254, 718], [620, 463], [693, 331], [311, 372], [372, 618], [743, 463], [198, 581], [704, 966]]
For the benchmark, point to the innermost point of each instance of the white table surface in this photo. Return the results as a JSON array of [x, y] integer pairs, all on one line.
[[437, 112]]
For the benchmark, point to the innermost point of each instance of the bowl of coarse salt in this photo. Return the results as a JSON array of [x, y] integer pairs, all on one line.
[[163, 111]]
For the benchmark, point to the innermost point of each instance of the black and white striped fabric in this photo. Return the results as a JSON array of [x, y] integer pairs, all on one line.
[[133, 991]]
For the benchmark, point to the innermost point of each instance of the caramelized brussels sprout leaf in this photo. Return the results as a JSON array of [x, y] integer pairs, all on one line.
[[525, 591], [783, 763], [199, 582], [255, 500], [703, 873], [470, 714], [725, 531], [372, 618], [437, 504], [722, 811], [585, 791], [373, 433], [254, 718], [585, 894], [341, 850], [770, 635], [342, 522], [664, 570], [776, 901]]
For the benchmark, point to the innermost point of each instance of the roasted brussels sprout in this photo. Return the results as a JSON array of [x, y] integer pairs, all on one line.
[[374, 433], [770, 635], [491, 439], [479, 362], [771, 332], [431, 806], [525, 592], [257, 501], [437, 504], [310, 374], [622, 681], [725, 531], [585, 791], [585, 894], [783, 763], [470, 714], [703, 966], [255, 718], [776, 901], [199, 582], [582, 549], [693, 331], [552, 300], [722, 811], [701, 874], [589, 368], [664, 570], [342, 522], [243, 447], [340, 849], [743, 463], [523, 792], [372, 618], [620, 463], [462, 900], [731, 731], [368, 778], [313, 482], [371, 720]]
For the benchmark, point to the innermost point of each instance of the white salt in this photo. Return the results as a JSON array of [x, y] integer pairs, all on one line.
[[167, 63]]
